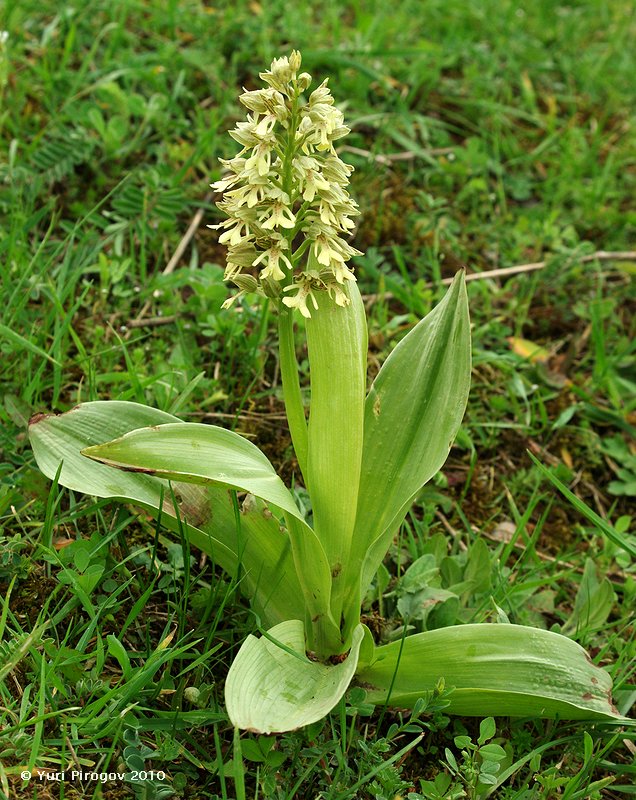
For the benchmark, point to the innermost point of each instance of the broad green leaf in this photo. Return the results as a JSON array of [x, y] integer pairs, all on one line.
[[268, 576], [312, 569], [479, 570], [420, 575], [492, 752], [487, 729], [337, 347], [59, 438], [495, 670], [273, 687], [419, 591], [195, 453], [86, 581], [412, 415], [206, 454]]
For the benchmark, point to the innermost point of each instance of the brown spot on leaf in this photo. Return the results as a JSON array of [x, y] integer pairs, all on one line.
[[194, 504], [39, 417], [125, 468], [339, 658]]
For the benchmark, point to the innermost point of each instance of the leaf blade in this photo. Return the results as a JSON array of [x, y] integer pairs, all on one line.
[[412, 414], [208, 455], [269, 690], [337, 348], [495, 669], [207, 513], [191, 452]]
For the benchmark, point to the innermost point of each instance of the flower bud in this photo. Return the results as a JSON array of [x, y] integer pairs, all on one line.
[[304, 81]]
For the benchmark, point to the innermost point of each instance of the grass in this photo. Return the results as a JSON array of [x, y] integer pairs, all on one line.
[[482, 133]]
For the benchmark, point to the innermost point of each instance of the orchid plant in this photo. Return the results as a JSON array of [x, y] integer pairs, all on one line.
[[363, 456]]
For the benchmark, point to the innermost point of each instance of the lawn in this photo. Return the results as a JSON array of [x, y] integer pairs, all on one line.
[[486, 135]]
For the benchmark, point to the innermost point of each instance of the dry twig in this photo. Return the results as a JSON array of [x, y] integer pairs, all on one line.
[[187, 236], [390, 158], [151, 322], [504, 272], [176, 257]]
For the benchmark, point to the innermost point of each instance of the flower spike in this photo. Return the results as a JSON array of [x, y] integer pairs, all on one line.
[[288, 210]]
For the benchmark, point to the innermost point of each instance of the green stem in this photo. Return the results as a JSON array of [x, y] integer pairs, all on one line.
[[290, 146], [291, 386], [288, 364]]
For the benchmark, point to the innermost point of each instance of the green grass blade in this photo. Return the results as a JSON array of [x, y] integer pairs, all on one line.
[[603, 525], [16, 338], [18, 648]]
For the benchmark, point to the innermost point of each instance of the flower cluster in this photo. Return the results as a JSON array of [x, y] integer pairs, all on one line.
[[284, 195]]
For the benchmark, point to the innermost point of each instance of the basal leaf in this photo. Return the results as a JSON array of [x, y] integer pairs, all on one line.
[[412, 414], [268, 576], [195, 453], [273, 687], [507, 670], [206, 454]]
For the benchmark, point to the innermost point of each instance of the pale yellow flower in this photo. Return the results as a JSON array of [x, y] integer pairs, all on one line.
[[278, 214], [299, 300], [273, 256]]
